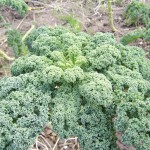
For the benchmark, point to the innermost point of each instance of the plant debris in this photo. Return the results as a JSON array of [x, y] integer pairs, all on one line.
[[48, 140]]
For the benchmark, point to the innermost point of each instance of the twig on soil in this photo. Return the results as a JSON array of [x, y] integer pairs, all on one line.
[[28, 32], [4, 70], [40, 11], [44, 4], [42, 145], [40, 3], [3, 19], [56, 144], [3, 54], [7, 20], [46, 141], [54, 6], [21, 21], [34, 17], [36, 144], [37, 8], [3, 42]]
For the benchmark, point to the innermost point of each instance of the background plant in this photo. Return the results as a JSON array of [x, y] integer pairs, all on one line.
[[137, 13], [15, 40], [133, 36], [19, 5]]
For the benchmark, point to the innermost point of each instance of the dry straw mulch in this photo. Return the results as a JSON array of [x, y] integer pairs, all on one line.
[[48, 140]]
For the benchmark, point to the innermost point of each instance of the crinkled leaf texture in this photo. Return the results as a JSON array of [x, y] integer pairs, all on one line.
[[85, 86]]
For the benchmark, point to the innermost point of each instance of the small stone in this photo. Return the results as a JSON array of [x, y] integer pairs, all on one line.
[[141, 43]]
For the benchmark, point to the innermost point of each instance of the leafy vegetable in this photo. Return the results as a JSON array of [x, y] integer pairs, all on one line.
[[80, 83]]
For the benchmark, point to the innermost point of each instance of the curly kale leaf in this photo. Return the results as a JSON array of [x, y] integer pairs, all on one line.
[[26, 112], [74, 74], [96, 89], [51, 74], [103, 56], [133, 121], [28, 64]]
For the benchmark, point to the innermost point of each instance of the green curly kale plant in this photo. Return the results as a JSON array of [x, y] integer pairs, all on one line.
[[137, 13], [19, 5], [86, 86]]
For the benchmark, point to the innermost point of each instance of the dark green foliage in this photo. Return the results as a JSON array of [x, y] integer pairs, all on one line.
[[79, 83], [137, 13], [103, 56], [103, 38], [25, 113], [74, 74], [91, 136], [14, 40], [134, 59], [131, 122], [127, 85], [96, 89], [28, 64], [42, 32], [77, 117], [51, 74], [130, 55], [132, 36], [18, 5]]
